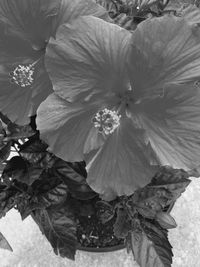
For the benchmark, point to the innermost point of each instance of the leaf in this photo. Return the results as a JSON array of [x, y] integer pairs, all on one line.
[[58, 225], [74, 176], [5, 151], [174, 180], [65, 170], [35, 151], [54, 196], [149, 200], [21, 170], [105, 211], [165, 220], [122, 224], [150, 249], [26, 208], [18, 132], [4, 243], [8, 199]]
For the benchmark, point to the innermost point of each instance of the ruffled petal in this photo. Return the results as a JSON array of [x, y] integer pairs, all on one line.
[[163, 51], [121, 165], [31, 19], [67, 127], [172, 125], [70, 10], [87, 58], [19, 103]]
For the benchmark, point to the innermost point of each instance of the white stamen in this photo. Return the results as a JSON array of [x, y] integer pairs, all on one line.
[[23, 75], [106, 121]]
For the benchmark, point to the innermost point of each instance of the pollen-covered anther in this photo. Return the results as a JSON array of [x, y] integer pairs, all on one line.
[[106, 121], [22, 75]]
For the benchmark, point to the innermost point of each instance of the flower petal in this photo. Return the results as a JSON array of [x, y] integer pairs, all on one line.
[[172, 125], [191, 14], [20, 103], [87, 58], [31, 19], [70, 10], [13, 46], [164, 51], [121, 165], [66, 127]]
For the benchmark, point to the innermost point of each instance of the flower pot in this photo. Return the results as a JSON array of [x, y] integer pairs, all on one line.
[[101, 250]]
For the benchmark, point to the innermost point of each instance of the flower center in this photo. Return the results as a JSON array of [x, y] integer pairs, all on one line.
[[106, 121], [23, 75]]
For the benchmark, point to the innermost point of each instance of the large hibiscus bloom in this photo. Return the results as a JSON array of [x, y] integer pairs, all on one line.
[[25, 28], [126, 103]]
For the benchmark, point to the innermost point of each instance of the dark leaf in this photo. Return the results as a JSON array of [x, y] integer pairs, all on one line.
[[27, 209], [35, 152], [122, 224], [65, 170], [46, 183], [54, 196], [18, 132], [5, 151], [74, 176], [105, 211], [21, 170], [23, 208], [149, 200], [146, 212], [43, 197], [165, 220], [4, 243], [8, 199], [82, 192], [150, 247], [174, 180], [2, 166], [58, 225], [79, 167]]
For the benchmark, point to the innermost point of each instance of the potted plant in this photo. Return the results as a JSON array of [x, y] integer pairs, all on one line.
[[103, 120]]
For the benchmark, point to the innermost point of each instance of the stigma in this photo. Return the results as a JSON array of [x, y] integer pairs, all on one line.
[[106, 121], [23, 75]]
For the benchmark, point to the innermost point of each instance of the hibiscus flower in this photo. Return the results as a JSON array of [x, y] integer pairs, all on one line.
[[25, 28], [125, 103]]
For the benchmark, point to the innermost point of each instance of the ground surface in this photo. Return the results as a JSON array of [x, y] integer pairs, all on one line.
[[32, 250]]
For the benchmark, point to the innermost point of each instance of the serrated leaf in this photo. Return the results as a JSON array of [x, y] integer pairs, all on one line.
[[58, 225], [8, 199], [149, 247], [105, 211], [25, 208], [148, 200], [174, 180], [122, 224], [165, 220], [4, 243]]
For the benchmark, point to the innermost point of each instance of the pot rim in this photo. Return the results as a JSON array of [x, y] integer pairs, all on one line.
[[101, 250]]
